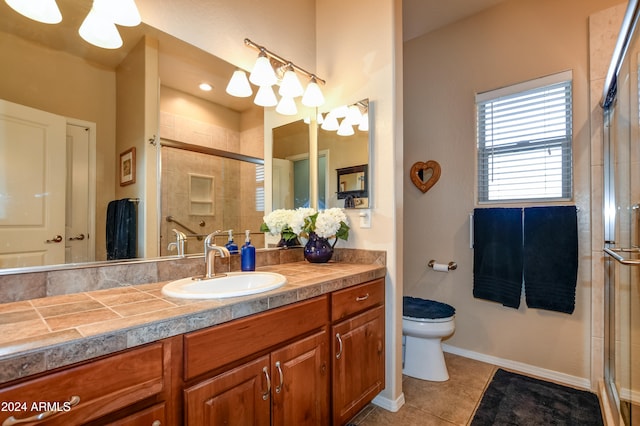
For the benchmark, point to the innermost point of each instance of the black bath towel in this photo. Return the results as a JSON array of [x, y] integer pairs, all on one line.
[[551, 257], [497, 255], [121, 229]]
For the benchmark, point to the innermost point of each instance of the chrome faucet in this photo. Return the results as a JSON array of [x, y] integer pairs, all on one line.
[[179, 244], [210, 249]]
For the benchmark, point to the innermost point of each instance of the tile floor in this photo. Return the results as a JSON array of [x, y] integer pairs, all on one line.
[[436, 403]]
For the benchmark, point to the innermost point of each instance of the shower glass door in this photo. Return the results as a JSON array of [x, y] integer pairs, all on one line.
[[622, 235]]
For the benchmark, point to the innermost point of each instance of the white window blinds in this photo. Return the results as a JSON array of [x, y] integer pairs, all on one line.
[[524, 141]]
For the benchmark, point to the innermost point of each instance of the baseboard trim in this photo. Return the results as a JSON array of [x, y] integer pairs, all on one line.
[[562, 378], [389, 404]]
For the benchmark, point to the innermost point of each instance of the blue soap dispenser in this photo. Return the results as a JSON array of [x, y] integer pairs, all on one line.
[[248, 254], [231, 245]]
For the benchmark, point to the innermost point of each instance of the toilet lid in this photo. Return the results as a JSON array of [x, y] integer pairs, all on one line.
[[415, 307]]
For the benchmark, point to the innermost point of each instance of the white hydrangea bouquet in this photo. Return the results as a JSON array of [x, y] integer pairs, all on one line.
[[330, 223]]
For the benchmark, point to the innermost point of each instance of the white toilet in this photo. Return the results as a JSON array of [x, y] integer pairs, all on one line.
[[424, 324]]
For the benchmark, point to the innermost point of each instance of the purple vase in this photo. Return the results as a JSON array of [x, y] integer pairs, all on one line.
[[318, 249]]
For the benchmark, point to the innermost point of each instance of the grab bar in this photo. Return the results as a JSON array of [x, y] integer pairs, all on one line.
[[615, 254], [172, 219]]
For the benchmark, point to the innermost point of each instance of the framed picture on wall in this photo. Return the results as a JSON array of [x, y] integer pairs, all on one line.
[[128, 167]]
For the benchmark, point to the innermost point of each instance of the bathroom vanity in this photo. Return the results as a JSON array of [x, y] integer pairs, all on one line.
[[311, 352]]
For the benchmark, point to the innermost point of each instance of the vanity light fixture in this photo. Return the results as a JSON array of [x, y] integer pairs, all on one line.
[[265, 97], [346, 128], [45, 11], [313, 95], [287, 106], [123, 12], [239, 85], [290, 86], [352, 115], [330, 122], [264, 76]]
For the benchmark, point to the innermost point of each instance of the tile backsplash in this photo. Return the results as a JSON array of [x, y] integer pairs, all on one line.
[[33, 285]]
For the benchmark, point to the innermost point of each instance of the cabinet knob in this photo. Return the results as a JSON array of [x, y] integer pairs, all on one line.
[[156, 423]]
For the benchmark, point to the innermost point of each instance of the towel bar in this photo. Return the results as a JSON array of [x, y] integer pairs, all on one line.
[[614, 253]]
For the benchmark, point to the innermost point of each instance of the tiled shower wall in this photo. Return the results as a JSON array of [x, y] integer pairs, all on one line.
[[238, 186]]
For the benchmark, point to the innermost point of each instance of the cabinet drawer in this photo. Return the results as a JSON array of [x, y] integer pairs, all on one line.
[[215, 347], [102, 386], [352, 300]]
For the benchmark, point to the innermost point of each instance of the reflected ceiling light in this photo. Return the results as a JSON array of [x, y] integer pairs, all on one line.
[[262, 73], [265, 97], [290, 86], [100, 30], [354, 115], [330, 123], [239, 85], [364, 122], [286, 106], [205, 87], [320, 118], [45, 11], [121, 12], [345, 128]]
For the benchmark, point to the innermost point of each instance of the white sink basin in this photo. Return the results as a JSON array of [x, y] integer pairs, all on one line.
[[233, 284]]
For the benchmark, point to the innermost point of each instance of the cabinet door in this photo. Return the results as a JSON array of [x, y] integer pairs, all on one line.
[[239, 397], [358, 363], [152, 416], [300, 382]]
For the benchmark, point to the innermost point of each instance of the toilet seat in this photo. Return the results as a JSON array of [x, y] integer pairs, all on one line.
[[416, 309], [447, 319]]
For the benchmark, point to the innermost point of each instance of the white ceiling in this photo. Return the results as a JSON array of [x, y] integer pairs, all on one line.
[[422, 16]]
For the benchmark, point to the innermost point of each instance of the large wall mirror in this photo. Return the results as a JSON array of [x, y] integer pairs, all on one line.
[[199, 162]]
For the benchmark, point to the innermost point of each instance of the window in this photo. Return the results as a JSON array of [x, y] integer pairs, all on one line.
[[524, 141]]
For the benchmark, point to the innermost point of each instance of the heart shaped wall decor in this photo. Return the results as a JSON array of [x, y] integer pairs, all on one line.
[[425, 175]]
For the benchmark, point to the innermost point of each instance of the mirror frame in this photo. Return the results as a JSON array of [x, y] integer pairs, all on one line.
[[360, 193]]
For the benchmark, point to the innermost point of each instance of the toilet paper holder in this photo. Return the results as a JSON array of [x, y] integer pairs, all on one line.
[[452, 266]]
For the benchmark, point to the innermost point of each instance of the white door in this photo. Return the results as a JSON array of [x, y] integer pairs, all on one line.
[[78, 226], [282, 184], [32, 186]]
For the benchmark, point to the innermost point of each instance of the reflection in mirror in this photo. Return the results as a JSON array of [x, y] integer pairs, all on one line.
[[352, 186], [53, 70], [291, 169]]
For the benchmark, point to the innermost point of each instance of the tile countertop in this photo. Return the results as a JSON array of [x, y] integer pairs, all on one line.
[[43, 334]]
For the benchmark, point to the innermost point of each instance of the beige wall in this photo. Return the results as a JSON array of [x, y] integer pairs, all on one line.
[[512, 42], [66, 85]]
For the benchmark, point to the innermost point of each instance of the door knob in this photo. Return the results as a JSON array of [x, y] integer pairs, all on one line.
[[78, 238], [57, 239]]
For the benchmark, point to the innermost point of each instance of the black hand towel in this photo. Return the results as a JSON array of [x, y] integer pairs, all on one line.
[[121, 229], [497, 255], [551, 257]]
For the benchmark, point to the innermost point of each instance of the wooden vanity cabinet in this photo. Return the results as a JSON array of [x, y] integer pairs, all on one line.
[[267, 369], [97, 392], [357, 315]]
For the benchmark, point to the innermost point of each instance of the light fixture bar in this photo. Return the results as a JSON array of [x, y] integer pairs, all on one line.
[[282, 60]]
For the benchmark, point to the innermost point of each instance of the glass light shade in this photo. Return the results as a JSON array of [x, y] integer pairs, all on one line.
[[121, 12], [330, 123], [239, 85], [320, 118], [354, 115], [290, 86], [340, 111], [364, 123], [263, 73], [98, 30], [45, 11], [265, 97], [313, 95], [286, 106], [345, 129]]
